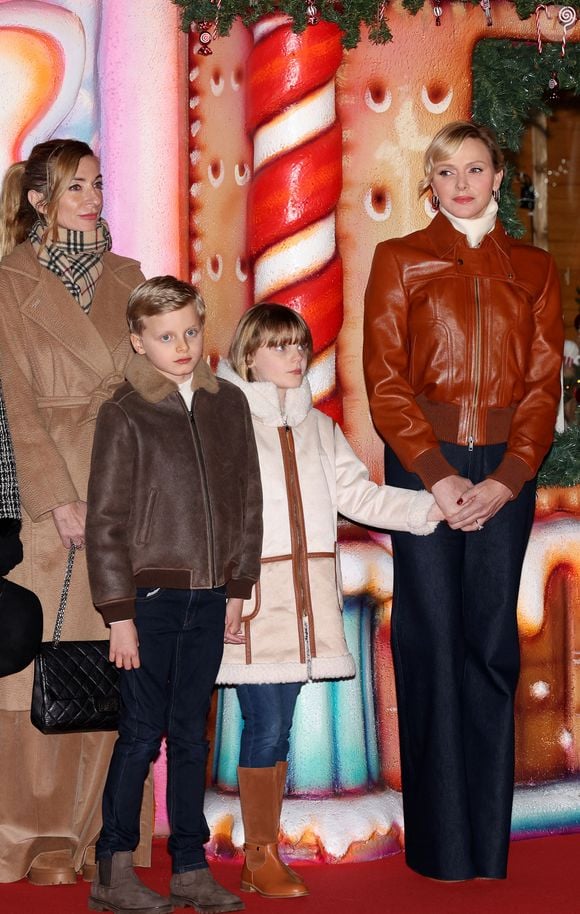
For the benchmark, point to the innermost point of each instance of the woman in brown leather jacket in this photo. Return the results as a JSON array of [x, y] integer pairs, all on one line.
[[463, 343]]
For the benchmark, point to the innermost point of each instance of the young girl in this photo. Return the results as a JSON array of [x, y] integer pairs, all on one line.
[[292, 631]]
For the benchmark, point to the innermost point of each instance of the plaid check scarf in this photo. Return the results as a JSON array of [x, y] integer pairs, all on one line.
[[75, 257]]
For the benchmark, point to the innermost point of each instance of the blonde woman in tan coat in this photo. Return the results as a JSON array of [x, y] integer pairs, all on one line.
[[64, 345], [292, 632]]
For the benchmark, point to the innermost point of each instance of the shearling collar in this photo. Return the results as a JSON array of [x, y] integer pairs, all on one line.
[[154, 387], [262, 397]]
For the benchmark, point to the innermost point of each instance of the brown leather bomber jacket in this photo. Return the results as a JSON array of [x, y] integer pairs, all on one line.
[[175, 498], [463, 345]]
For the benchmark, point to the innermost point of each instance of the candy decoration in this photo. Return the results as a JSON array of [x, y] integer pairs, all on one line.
[[437, 12], [567, 17], [486, 7], [541, 8], [205, 38], [553, 88], [312, 16], [297, 180]]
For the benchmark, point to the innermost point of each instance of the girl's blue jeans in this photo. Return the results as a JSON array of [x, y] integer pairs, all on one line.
[[267, 709]]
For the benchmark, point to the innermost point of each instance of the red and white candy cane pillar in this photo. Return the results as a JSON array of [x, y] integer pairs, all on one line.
[[291, 117]]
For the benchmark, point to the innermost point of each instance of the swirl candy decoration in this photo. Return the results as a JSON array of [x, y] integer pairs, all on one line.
[[291, 117]]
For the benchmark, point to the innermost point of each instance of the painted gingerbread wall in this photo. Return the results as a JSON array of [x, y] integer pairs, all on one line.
[[271, 168]]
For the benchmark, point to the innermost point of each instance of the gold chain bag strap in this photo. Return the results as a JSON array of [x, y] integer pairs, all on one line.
[[76, 687]]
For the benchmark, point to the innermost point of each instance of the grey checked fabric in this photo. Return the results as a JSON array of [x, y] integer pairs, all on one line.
[[9, 497]]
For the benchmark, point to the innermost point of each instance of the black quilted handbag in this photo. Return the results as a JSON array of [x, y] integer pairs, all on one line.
[[76, 687]]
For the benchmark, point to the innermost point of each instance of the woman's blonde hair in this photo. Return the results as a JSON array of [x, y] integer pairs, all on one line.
[[48, 170], [447, 141], [267, 324]]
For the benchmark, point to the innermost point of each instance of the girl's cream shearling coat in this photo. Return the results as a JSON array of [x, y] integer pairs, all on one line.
[[293, 625]]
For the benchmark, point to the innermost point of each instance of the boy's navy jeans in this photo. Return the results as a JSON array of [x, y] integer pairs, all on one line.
[[181, 640]]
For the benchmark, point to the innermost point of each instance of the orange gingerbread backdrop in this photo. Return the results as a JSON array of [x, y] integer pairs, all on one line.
[[271, 167]]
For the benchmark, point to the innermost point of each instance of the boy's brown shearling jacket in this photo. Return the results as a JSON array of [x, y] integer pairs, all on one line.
[[463, 345], [175, 498]]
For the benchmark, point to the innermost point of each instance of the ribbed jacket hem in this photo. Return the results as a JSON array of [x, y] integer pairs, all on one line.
[[431, 466], [255, 673], [513, 473]]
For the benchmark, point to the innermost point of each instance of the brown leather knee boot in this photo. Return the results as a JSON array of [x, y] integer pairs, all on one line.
[[263, 871], [281, 772]]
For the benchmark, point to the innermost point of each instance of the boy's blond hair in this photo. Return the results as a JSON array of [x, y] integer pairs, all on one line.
[[267, 324], [161, 295]]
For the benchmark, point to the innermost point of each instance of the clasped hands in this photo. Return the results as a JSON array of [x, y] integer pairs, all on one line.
[[466, 506]]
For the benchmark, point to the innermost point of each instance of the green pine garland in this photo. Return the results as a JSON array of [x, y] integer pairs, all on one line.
[[510, 80], [562, 464], [349, 15]]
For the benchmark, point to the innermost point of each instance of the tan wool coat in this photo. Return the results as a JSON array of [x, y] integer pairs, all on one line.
[[57, 365], [293, 624]]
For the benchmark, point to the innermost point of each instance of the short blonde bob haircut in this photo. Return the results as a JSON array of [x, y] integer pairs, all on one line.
[[161, 295], [447, 141], [267, 324]]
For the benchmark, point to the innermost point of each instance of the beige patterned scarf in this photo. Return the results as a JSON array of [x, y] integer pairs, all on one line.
[[75, 257]]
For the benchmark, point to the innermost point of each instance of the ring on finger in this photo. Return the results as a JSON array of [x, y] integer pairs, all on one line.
[[478, 525]]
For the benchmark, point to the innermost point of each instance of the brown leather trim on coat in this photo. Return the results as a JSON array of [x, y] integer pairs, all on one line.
[[298, 540], [288, 558], [246, 622]]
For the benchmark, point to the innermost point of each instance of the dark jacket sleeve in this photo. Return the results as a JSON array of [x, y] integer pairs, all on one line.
[[108, 509], [10, 545], [246, 571]]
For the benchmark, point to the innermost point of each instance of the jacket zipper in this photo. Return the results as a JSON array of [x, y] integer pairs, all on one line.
[[205, 493], [476, 366], [300, 546]]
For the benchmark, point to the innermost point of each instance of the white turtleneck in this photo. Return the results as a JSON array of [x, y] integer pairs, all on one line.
[[475, 230], [186, 392]]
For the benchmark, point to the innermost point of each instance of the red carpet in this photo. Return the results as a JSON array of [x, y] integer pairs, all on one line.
[[542, 880]]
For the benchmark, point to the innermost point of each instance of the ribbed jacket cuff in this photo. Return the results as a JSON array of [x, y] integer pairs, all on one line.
[[117, 611], [431, 466], [419, 508], [513, 473], [240, 587]]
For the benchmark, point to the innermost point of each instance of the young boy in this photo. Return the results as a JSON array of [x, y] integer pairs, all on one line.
[[174, 531]]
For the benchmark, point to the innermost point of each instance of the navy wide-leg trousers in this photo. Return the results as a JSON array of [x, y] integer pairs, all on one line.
[[456, 653]]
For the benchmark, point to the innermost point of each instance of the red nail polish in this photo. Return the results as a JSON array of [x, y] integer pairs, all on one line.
[[459, 501]]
